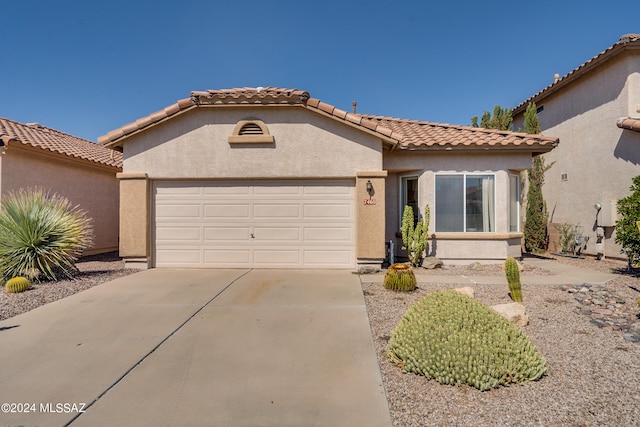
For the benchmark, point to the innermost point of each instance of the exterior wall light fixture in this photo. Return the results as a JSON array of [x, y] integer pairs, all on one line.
[[370, 188]]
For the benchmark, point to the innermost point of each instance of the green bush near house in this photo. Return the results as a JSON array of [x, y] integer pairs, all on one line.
[[627, 228], [455, 339], [41, 235]]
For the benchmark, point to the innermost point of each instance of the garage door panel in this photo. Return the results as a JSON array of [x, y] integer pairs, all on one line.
[[331, 190], [244, 224], [178, 257], [178, 211], [327, 234], [271, 190], [227, 211], [275, 211], [215, 234], [177, 189], [189, 234], [272, 234], [276, 257], [227, 257], [231, 190], [324, 210], [325, 257]]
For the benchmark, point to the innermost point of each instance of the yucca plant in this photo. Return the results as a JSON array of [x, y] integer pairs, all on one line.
[[41, 235]]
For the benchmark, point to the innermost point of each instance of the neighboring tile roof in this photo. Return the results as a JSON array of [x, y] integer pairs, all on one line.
[[629, 123], [405, 134], [39, 136], [627, 40]]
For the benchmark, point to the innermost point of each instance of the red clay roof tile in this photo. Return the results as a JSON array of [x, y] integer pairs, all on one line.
[[53, 140], [629, 123], [407, 134]]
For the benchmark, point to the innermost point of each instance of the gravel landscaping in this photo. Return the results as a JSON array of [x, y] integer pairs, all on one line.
[[94, 270], [593, 376], [594, 372]]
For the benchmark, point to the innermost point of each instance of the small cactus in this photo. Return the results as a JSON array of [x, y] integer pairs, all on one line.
[[17, 284], [512, 271], [400, 278]]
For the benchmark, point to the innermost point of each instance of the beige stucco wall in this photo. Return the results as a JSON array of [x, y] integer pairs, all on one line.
[[195, 145], [599, 158], [455, 247], [93, 187], [135, 214], [370, 214]]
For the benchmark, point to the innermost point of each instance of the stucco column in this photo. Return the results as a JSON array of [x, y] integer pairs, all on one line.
[[134, 219], [370, 216]]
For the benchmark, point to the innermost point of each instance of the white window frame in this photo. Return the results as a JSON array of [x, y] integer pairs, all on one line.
[[464, 200]]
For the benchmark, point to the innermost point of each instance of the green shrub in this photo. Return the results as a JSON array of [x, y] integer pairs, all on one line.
[[455, 339], [512, 271], [568, 234], [41, 236], [400, 278], [627, 228], [17, 284]]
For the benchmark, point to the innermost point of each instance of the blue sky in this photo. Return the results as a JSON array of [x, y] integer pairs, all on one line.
[[88, 67]]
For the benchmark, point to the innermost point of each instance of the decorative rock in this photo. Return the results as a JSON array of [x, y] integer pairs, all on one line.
[[431, 262], [468, 291], [514, 312], [367, 270], [606, 310], [476, 266]]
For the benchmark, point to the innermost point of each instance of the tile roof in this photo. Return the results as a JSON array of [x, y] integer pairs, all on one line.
[[420, 135], [39, 136], [404, 134], [626, 41], [629, 123]]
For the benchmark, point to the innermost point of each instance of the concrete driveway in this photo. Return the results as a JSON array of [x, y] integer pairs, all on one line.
[[169, 347]]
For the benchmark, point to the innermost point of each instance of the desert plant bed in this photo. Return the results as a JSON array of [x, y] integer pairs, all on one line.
[[593, 372]]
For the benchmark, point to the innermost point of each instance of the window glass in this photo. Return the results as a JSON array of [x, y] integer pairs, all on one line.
[[465, 203], [409, 193], [449, 203], [514, 203]]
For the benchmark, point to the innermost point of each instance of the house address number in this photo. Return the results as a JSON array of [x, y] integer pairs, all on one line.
[[370, 201]]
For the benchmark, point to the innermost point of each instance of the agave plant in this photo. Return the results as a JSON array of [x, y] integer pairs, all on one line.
[[41, 235]]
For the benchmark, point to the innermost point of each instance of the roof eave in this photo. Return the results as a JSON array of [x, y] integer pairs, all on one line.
[[533, 149], [20, 145]]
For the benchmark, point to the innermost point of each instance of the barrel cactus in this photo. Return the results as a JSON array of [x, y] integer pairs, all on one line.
[[455, 339], [512, 271], [400, 278], [17, 284]]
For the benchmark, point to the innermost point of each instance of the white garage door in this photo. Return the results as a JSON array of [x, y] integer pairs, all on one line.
[[269, 224]]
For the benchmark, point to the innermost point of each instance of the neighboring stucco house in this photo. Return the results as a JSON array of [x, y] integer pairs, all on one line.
[[82, 171], [595, 111], [268, 177]]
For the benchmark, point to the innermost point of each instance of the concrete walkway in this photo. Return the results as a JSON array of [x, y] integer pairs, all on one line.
[[563, 274], [169, 347]]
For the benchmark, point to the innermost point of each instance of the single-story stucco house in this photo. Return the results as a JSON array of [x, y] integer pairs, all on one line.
[[32, 155], [272, 178]]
